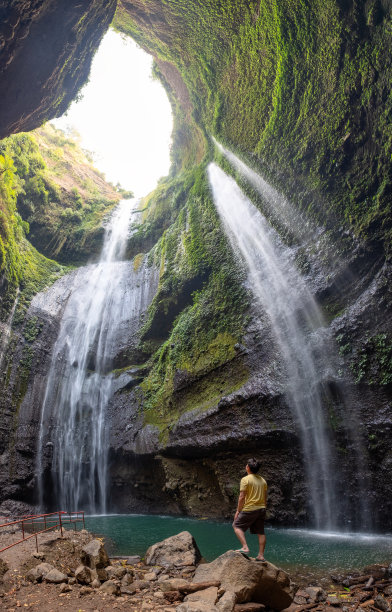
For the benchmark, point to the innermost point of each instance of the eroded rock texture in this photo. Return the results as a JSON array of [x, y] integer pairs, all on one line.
[[46, 51], [302, 94]]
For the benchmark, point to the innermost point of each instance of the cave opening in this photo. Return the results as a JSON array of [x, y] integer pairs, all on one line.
[[123, 116]]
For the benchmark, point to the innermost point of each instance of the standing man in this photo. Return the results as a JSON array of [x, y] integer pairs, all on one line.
[[251, 508]]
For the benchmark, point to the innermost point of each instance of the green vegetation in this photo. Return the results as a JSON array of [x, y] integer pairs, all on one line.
[[372, 361], [59, 195], [298, 88], [197, 316]]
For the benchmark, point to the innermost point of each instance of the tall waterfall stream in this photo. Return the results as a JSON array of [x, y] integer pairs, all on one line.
[[80, 383], [297, 325]]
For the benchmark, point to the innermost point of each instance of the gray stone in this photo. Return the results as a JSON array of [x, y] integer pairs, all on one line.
[[84, 574], [315, 593], [115, 571], [227, 602], [127, 579], [151, 576], [110, 587], [381, 604], [36, 574], [249, 580], [94, 555], [177, 551], [55, 577], [102, 574], [141, 584], [209, 595]]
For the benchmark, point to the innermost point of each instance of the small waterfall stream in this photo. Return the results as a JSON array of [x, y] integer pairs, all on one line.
[[297, 324], [79, 383]]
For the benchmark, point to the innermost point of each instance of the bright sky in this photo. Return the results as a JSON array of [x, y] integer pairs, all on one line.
[[124, 117]]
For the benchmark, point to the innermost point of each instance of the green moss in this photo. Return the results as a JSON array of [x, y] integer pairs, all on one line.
[[299, 89], [60, 196], [371, 362]]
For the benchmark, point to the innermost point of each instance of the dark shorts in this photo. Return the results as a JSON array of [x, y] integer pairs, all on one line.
[[253, 520]]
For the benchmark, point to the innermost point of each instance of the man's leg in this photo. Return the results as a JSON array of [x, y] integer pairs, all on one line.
[[262, 541], [241, 536]]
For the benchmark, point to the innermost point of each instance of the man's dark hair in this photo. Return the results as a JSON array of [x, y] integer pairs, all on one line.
[[254, 465]]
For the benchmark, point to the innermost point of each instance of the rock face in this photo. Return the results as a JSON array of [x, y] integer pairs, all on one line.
[[233, 403], [180, 550], [249, 580], [69, 32]]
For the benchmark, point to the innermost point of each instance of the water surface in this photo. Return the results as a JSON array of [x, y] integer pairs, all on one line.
[[288, 548]]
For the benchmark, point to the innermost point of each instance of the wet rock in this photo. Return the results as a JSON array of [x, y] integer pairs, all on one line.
[[177, 551], [315, 594], [94, 555], [249, 580], [55, 577], [110, 587]]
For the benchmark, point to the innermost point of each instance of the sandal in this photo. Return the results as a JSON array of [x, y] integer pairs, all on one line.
[[244, 553]]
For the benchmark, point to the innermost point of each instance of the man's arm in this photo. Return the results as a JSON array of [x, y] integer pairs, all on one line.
[[241, 502]]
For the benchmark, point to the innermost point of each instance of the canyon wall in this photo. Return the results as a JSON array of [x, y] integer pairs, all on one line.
[[300, 92]]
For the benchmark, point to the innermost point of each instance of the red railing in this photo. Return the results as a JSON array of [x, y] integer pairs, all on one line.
[[55, 520]]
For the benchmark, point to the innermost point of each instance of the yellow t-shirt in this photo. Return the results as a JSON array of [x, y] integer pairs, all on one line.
[[255, 489]]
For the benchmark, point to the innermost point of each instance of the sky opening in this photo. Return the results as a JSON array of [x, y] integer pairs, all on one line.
[[124, 117]]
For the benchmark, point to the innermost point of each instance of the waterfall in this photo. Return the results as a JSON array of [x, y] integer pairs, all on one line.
[[277, 206], [297, 325], [79, 384]]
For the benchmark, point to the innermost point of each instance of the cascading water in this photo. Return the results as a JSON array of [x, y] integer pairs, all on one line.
[[297, 325], [79, 384], [276, 204]]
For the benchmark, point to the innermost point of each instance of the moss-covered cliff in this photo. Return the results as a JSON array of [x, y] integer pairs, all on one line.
[[300, 91], [299, 88]]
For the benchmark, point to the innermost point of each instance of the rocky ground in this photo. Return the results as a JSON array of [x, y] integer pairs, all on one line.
[[73, 572]]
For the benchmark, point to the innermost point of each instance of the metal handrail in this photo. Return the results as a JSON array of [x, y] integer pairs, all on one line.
[[38, 519]]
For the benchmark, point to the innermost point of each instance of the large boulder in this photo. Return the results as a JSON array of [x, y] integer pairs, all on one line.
[[56, 577], [94, 555], [249, 580], [177, 551]]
